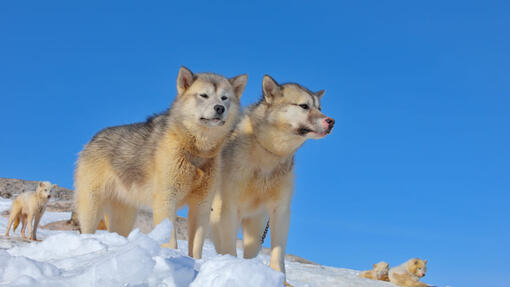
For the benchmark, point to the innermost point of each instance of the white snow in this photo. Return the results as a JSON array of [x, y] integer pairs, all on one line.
[[66, 258]]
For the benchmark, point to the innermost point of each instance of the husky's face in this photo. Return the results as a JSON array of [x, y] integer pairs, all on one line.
[[43, 189], [381, 269], [296, 110], [208, 98], [418, 267]]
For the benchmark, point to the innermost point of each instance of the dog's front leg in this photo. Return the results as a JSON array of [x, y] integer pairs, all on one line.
[[228, 227], [198, 223], [171, 185], [165, 206], [279, 223], [30, 219], [37, 218], [200, 203]]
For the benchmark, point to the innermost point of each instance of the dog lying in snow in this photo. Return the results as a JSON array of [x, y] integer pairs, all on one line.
[[379, 272], [409, 273], [28, 208]]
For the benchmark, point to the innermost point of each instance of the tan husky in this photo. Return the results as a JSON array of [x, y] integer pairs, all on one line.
[[29, 208], [170, 160], [257, 169], [379, 272], [409, 273]]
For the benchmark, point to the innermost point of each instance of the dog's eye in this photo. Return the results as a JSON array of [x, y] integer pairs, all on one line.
[[304, 106], [224, 98], [205, 96]]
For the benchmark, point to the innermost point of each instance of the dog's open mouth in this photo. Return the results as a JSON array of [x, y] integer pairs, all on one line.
[[303, 131], [216, 121]]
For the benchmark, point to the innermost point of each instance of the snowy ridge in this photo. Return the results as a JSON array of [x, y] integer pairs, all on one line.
[[66, 258]]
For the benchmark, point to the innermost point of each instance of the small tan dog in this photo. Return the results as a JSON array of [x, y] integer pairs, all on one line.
[[380, 272], [409, 273], [29, 207]]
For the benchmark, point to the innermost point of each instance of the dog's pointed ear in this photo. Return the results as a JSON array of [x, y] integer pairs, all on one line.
[[319, 94], [184, 80], [238, 83], [41, 184], [270, 89], [425, 261]]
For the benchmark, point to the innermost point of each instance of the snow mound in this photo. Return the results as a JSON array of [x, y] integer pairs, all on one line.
[[231, 271], [107, 259], [66, 258]]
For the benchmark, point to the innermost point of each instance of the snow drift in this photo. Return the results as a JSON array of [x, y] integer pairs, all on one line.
[[66, 258]]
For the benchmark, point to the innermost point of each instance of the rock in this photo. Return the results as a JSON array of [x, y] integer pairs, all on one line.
[[10, 187]]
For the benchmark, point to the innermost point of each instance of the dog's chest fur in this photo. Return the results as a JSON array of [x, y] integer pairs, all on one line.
[[263, 185], [266, 178], [203, 167]]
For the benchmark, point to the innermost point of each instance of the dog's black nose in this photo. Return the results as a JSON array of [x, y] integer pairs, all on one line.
[[330, 121], [219, 109]]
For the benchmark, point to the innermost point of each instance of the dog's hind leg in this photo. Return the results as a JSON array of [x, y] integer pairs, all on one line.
[[120, 217], [90, 209], [23, 225], [8, 227], [93, 180], [253, 233], [13, 218], [16, 223]]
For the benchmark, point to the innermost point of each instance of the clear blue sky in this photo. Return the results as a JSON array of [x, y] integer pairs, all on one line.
[[418, 163]]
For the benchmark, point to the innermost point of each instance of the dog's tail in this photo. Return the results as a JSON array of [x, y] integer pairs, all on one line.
[[16, 223]]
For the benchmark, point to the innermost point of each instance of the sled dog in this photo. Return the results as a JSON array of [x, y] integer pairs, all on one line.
[[409, 273], [170, 160], [28, 208], [257, 168]]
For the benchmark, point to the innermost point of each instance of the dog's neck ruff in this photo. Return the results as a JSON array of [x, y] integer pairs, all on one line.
[[266, 146], [192, 150], [190, 145], [268, 149], [263, 147]]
